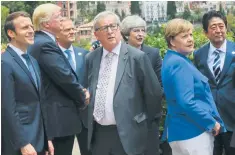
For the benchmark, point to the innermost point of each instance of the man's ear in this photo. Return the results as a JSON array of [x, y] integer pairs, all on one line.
[[11, 34], [46, 25]]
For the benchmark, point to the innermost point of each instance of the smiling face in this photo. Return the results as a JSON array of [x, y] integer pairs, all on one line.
[[137, 36], [108, 32], [183, 42], [23, 34], [216, 31]]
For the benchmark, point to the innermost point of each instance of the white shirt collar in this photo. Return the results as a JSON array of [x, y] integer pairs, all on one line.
[[64, 49], [50, 35], [116, 50], [17, 50], [222, 48]]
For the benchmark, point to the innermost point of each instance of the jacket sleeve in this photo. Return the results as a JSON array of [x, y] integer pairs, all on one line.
[[158, 66], [151, 88], [10, 117], [183, 86], [53, 64]]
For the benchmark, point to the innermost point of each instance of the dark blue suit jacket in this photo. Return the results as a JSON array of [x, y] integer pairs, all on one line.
[[22, 121], [224, 91], [80, 54], [190, 105], [63, 94]]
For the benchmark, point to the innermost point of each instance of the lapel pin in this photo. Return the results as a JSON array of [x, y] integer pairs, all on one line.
[[233, 52], [79, 53]]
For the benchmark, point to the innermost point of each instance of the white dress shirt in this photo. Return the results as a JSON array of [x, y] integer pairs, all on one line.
[[19, 53], [109, 118], [212, 55], [72, 53], [50, 35]]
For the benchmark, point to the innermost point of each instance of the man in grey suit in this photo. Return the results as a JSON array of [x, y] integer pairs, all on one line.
[[125, 92], [216, 60]]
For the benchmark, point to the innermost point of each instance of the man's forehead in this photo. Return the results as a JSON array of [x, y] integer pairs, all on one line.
[[67, 23], [110, 19], [216, 20], [22, 20]]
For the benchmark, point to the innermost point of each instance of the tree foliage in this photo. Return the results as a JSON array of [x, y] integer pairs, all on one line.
[[171, 9], [100, 7], [135, 8], [187, 13], [4, 14]]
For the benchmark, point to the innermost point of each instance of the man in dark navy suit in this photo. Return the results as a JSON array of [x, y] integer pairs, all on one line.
[[216, 60], [64, 96], [65, 39], [23, 130]]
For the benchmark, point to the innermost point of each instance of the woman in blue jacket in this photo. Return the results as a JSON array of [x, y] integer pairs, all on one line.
[[192, 120]]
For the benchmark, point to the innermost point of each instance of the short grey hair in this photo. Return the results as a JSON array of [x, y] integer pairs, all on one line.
[[131, 22], [102, 15]]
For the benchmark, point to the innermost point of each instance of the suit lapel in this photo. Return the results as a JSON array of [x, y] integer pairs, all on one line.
[[21, 64], [228, 59], [204, 58], [123, 57]]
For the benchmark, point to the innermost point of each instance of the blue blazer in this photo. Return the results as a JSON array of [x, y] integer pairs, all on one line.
[[22, 120], [224, 91], [80, 54], [191, 108]]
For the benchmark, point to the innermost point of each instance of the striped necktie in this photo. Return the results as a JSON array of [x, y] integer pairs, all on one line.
[[216, 65]]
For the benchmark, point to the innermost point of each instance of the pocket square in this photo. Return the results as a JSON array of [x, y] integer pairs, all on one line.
[[233, 52], [79, 53]]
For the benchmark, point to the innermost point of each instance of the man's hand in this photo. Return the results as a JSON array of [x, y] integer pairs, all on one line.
[[28, 150], [216, 129], [50, 148], [87, 96]]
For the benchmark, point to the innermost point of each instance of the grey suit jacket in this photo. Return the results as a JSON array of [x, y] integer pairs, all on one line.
[[137, 96]]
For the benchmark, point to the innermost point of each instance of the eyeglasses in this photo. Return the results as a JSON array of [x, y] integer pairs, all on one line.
[[113, 27]]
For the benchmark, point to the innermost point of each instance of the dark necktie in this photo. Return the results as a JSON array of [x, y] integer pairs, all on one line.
[[216, 65], [30, 67], [68, 52]]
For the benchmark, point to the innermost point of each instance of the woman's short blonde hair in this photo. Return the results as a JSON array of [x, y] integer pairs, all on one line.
[[175, 27], [43, 13]]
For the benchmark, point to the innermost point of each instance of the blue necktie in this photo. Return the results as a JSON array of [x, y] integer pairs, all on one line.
[[30, 67], [216, 65], [68, 52]]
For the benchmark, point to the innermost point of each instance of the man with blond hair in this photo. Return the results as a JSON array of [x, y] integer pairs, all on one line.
[[63, 95]]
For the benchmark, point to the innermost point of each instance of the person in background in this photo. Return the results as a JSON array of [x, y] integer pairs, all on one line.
[[23, 130], [216, 61], [65, 38], [192, 119], [133, 29], [64, 96]]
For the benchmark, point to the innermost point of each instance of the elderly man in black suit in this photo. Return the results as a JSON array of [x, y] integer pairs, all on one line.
[[133, 29], [23, 130], [64, 96]]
